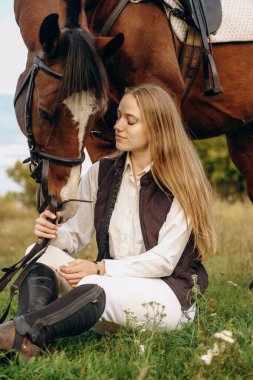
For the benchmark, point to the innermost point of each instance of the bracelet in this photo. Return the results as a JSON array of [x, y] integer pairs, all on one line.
[[98, 267]]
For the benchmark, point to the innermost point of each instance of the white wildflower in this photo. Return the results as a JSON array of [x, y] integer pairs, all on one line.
[[140, 346], [213, 314], [214, 351], [129, 314], [225, 335], [207, 358], [231, 283], [139, 324]]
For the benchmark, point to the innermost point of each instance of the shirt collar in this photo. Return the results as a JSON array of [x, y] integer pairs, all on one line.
[[128, 166]]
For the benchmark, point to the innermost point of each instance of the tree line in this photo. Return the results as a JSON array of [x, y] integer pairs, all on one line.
[[227, 182]]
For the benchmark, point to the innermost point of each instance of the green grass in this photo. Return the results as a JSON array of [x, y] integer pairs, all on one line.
[[228, 304]]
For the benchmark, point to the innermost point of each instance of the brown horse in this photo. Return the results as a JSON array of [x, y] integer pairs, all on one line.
[[62, 91], [148, 55]]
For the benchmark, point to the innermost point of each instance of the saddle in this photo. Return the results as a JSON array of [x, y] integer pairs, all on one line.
[[203, 17], [210, 13]]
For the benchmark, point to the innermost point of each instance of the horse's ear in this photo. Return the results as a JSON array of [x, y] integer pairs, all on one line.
[[49, 34], [108, 46]]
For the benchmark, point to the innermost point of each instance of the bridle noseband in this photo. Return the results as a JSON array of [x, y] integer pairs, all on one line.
[[39, 161]]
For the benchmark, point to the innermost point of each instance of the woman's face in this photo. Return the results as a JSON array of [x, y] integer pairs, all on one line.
[[131, 133]]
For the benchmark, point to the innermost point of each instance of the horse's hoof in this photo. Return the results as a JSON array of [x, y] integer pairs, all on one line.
[[27, 350], [251, 285]]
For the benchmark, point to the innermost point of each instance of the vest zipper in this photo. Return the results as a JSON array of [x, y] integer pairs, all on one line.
[[103, 249], [141, 216], [66, 312]]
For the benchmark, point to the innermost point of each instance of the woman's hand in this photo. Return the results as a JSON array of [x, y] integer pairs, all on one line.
[[44, 227], [75, 270]]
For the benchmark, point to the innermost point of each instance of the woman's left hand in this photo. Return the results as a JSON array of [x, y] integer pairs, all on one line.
[[75, 270]]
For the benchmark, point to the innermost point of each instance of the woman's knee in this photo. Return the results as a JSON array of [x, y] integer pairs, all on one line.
[[91, 279]]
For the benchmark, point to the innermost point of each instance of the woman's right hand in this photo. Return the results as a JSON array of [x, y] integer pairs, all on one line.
[[44, 227]]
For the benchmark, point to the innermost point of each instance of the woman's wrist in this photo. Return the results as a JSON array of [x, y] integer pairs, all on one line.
[[100, 267]]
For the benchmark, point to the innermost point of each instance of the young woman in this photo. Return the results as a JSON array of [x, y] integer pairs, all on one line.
[[151, 210]]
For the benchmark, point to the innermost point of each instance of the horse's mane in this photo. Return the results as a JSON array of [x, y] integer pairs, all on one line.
[[73, 11], [83, 67]]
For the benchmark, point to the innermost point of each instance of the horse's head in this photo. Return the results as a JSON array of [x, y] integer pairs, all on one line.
[[63, 92]]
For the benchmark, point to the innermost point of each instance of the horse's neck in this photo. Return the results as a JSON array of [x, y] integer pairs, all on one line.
[[97, 12], [30, 14], [82, 16]]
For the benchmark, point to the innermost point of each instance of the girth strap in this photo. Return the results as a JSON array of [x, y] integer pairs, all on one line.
[[190, 60]]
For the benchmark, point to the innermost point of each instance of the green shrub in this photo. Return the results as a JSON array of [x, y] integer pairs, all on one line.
[[221, 171], [20, 174]]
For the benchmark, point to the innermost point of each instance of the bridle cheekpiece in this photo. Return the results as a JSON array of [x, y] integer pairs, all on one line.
[[39, 161]]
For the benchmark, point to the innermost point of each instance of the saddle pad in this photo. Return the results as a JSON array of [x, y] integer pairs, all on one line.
[[236, 25]]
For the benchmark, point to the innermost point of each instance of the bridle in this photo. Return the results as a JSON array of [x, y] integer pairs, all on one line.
[[39, 161], [39, 167]]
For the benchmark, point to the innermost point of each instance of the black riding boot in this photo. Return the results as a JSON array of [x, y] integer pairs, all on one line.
[[39, 288], [71, 314]]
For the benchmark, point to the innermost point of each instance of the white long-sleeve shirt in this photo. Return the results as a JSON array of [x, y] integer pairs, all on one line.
[[125, 237]]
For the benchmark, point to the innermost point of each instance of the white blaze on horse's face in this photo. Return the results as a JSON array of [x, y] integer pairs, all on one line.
[[81, 106]]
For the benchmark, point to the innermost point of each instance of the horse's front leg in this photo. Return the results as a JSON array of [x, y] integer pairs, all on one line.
[[240, 145]]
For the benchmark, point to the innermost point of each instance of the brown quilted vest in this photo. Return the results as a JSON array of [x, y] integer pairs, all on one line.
[[154, 207]]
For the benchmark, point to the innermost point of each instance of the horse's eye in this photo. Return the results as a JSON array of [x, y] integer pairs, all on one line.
[[45, 115]]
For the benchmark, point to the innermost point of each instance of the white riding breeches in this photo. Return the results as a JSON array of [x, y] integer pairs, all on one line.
[[128, 299]]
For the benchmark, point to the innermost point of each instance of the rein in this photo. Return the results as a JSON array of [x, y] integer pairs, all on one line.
[[113, 16], [24, 265], [26, 262]]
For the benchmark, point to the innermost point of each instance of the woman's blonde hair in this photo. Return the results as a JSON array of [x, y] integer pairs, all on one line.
[[176, 164]]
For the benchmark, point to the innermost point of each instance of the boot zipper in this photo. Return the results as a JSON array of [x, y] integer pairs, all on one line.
[[54, 317]]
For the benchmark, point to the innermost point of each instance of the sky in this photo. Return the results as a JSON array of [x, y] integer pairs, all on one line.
[[12, 63], [11, 67], [13, 47]]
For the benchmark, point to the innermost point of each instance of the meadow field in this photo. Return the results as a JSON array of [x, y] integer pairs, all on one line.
[[217, 346]]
